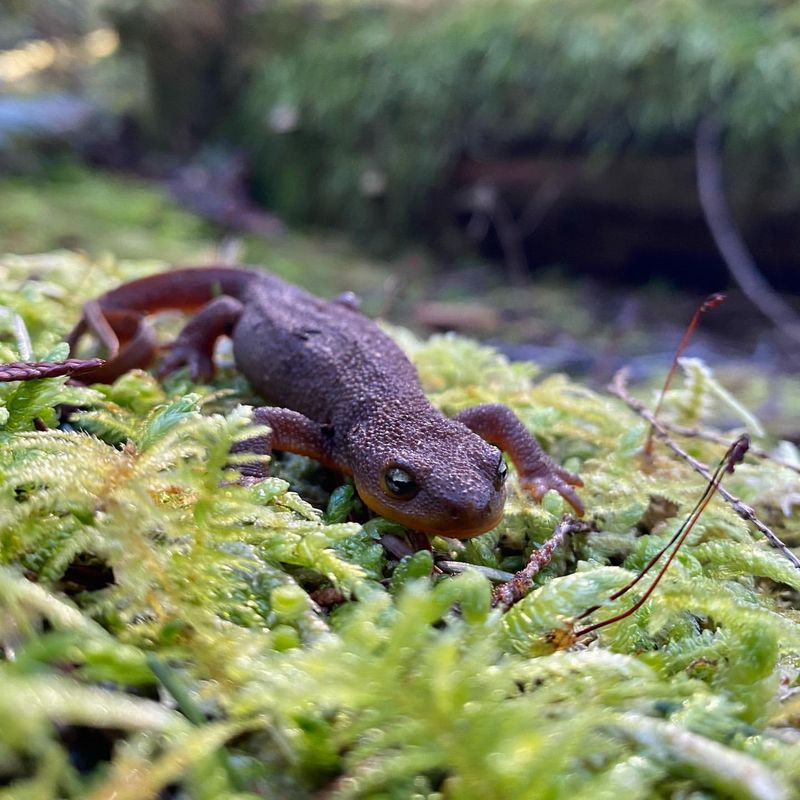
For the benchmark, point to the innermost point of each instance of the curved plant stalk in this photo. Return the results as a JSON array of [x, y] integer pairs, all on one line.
[[618, 387], [727, 237]]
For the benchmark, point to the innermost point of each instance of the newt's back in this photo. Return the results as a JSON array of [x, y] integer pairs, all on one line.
[[318, 357]]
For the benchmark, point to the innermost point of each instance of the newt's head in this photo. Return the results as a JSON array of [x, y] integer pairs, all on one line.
[[433, 475]]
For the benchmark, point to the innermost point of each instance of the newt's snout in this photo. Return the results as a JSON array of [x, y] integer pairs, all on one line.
[[453, 485], [439, 515], [475, 514]]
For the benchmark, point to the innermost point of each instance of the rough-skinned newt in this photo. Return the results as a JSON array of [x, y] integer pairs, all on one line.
[[341, 391]]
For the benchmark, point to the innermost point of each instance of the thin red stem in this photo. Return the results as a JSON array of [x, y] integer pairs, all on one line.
[[733, 456], [710, 489], [712, 301]]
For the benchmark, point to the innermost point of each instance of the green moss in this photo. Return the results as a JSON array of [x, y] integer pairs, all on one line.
[[131, 571]]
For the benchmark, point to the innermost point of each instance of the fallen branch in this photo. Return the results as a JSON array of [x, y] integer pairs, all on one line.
[[36, 370], [511, 592], [619, 388], [718, 438]]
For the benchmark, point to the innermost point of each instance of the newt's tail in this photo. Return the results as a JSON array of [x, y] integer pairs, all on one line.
[[117, 318], [184, 289]]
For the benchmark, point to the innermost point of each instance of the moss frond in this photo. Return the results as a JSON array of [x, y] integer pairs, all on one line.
[[124, 545]]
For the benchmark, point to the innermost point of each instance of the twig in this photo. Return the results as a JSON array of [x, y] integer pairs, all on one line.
[[718, 438], [35, 370], [510, 238], [729, 241], [511, 592], [733, 456], [618, 387], [457, 567]]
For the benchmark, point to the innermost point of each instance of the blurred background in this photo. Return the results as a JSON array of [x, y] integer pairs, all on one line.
[[521, 171]]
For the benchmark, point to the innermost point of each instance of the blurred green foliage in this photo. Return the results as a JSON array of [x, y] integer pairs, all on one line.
[[132, 573], [356, 114], [189, 55], [66, 205], [359, 119]]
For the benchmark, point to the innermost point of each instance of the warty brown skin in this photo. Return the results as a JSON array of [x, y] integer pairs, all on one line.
[[340, 391]]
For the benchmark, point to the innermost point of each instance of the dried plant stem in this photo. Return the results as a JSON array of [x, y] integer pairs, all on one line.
[[718, 438], [619, 388], [734, 456], [511, 592], [34, 370], [712, 301]]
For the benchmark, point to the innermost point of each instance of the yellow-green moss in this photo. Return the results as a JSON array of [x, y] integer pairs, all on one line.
[[128, 565]]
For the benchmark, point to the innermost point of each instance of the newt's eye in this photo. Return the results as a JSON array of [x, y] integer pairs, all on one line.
[[400, 483], [502, 473]]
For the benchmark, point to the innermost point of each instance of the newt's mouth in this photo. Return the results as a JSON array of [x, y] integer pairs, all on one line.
[[437, 520]]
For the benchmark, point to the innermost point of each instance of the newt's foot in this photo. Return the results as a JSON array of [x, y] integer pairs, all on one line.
[[200, 364], [558, 478]]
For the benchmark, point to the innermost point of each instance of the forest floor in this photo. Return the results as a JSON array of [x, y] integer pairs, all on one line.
[[561, 321]]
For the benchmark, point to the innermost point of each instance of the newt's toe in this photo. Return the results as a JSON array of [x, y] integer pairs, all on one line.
[[560, 480], [201, 367]]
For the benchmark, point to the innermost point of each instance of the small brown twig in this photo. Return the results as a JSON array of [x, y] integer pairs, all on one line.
[[511, 592], [618, 387], [35, 370], [718, 438]]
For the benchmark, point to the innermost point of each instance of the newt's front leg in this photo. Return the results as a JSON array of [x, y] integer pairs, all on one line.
[[538, 473], [292, 432]]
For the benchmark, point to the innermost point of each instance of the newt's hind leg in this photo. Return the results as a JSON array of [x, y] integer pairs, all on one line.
[[289, 431], [130, 343], [194, 347], [538, 473]]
